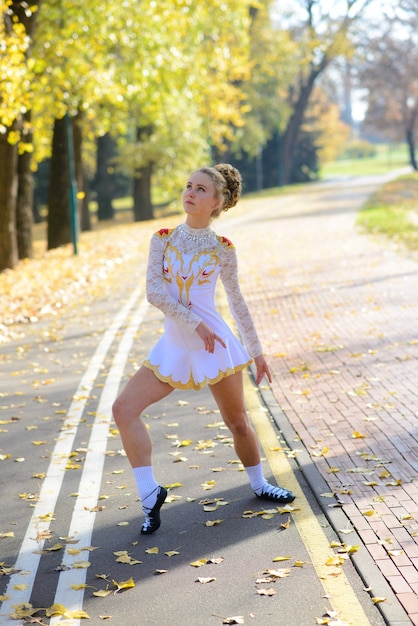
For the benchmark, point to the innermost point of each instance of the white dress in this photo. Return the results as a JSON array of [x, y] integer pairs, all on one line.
[[183, 266]]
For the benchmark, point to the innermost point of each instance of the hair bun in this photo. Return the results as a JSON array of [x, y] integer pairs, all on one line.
[[233, 182]]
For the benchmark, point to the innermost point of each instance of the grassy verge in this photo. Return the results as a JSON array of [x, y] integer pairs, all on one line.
[[393, 212], [387, 158]]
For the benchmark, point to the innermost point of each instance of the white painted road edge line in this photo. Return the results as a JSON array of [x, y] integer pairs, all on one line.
[[27, 562], [83, 518]]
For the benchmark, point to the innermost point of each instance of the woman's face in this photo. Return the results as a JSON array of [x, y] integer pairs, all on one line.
[[199, 199]]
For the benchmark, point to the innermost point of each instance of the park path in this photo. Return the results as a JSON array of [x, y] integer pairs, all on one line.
[[338, 316]]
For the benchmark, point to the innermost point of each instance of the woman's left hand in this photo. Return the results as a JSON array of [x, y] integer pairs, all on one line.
[[262, 369]]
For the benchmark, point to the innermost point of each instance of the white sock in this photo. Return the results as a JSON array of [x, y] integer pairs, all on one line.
[[147, 485], [256, 476]]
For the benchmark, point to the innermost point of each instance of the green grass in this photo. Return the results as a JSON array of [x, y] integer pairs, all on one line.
[[388, 157], [393, 212]]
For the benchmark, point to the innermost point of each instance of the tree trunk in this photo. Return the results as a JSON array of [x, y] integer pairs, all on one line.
[[143, 209], [59, 230], [8, 195], [104, 179], [79, 172], [24, 204], [410, 140], [289, 140]]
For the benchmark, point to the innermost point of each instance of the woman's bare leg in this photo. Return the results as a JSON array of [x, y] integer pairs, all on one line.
[[141, 391], [229, 396]]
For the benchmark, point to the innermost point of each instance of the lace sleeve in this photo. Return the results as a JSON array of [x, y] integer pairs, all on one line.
[[237, 304], [156, 293]]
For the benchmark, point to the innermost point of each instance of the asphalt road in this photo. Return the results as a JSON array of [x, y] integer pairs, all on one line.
[[70, 519]]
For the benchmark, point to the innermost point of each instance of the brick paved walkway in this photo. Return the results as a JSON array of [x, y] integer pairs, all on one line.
[[338, 319]]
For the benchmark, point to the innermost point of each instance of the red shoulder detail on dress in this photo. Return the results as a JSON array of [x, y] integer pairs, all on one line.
[[163, 232], [226, 241]]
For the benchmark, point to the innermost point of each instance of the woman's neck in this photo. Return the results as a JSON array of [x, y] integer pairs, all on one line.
[[197, 223]]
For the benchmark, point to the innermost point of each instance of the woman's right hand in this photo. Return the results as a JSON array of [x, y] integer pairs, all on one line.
[[208, 337]]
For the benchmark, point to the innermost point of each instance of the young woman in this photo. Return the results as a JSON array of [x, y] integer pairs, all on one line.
[[197, 347]]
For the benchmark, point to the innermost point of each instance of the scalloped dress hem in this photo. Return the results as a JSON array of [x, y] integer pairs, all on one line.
[[192, 384]]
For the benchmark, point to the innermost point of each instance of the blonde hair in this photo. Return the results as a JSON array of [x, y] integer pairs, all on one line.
[[228, 185]]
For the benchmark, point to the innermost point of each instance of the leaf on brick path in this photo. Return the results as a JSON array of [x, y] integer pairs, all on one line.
[[266, 592], [371, 483], [214, 522], [369, 513], [199, 563], [333, 470], [405, 517], [394, 483], [357, 435], [320, 453], [153, 550], [126, 584], [384, 474], [205, 580]]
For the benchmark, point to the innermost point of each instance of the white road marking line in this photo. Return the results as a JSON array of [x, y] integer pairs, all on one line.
[[27, 562], [83, 518]]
